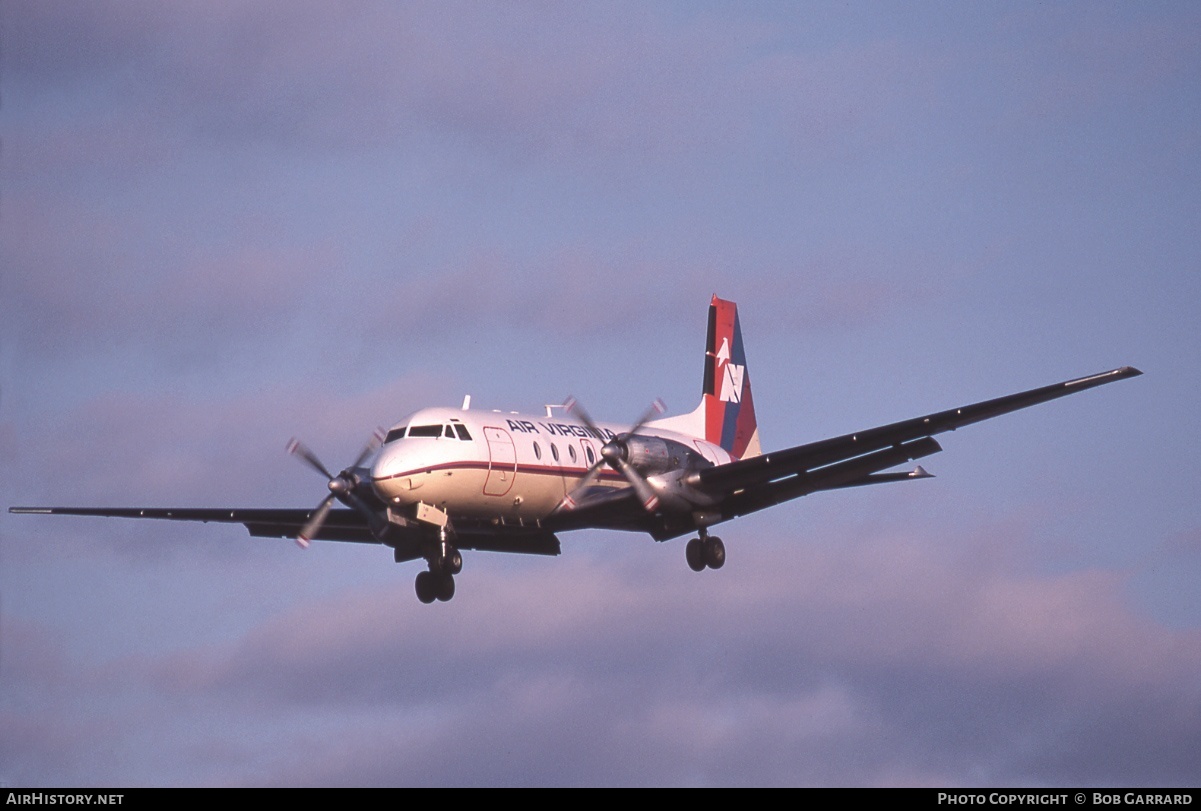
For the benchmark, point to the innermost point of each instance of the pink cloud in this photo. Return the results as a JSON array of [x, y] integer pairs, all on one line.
[[825, 651], [875, 658]]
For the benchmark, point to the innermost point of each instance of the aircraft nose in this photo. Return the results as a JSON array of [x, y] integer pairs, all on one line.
[[393, 477], [386, 464]]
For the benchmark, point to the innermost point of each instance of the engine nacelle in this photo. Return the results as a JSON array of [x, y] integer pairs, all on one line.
[[653, 455], [649, 455]]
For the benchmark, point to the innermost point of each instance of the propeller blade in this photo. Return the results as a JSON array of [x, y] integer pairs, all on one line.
[[298, 448], [341, 487], [572, 406], [372, 445], [313, 526], [645, 494], [568, 503], [656, 407], [614, 453], [373, 520]]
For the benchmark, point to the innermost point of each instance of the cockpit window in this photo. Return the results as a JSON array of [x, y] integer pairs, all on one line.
[[449, 430]]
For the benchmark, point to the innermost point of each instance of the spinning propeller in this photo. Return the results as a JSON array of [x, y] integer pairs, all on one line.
[[341, 487], [616, 454]]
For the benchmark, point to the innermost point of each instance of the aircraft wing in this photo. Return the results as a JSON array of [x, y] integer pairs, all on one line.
[[339, 525], [608, 507], [854, 459]]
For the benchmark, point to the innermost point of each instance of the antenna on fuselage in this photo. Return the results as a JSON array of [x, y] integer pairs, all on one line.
[[550, 408], [466, 402]]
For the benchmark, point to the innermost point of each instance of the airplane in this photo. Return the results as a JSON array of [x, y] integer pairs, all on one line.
[[444, 480]]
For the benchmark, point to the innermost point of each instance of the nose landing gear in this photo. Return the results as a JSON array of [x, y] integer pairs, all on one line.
[[438, 583], [707, 550], [432, 586]]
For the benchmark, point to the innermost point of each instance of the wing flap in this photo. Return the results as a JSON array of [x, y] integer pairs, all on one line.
[[842, 474]]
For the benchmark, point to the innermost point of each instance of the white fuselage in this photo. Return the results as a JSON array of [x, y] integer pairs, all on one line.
[[500, 466]]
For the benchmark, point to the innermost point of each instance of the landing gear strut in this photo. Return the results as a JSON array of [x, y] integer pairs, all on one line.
[[707, 550]]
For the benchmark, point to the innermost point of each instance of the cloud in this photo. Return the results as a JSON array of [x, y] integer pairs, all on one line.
[[869, 660], [562, 84], [101, 289]]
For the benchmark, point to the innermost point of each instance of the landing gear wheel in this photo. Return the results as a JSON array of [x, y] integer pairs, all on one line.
[[427, 587], [453, 562], [446, 587], [715, 553], [695, 553]]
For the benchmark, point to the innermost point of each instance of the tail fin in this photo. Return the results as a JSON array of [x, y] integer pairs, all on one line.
[[726, 414], [726, 398]]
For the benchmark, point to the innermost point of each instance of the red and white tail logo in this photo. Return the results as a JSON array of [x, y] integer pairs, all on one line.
[[729, 409]]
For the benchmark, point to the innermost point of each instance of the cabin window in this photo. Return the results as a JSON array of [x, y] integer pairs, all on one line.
[[462, 430], [537, 451], [425, 430], [395, 434], [554, 451], [589, 456], [571, 453]]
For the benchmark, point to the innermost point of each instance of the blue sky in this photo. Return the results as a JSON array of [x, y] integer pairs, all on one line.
[[224, 225]]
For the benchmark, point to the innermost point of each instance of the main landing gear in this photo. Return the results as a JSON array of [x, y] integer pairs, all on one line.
[[438, 583], [707, 550]]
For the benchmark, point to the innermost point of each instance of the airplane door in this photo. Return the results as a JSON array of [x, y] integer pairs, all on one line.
[[589, 457], [502, 462]]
